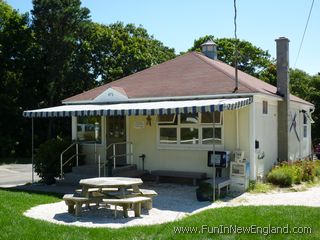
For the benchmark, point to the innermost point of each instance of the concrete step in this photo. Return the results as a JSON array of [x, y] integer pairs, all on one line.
[[132, 173], [86, 170], [126, 168]]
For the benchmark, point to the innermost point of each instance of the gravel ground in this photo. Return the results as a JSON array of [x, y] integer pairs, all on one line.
[[174, 202]]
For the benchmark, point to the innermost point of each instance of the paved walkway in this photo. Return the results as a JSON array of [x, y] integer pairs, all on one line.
[[12, 175]]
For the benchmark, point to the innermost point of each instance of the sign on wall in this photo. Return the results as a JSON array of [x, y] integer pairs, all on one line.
[[139, 124]]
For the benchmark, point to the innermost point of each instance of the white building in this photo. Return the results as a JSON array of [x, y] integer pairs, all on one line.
[[166, 113]]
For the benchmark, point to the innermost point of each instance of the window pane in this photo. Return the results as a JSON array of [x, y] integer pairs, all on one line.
[[168, 135], [207, 117], [304, 119], [89, 129], [189, 136], [167, 119], [207, 135], [264, 107], [305, 131], [189, 118]]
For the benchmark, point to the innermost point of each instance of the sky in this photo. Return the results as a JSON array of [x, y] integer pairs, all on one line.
[[177, 23]]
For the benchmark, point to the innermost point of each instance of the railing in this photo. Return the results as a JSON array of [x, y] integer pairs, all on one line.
[[76, 155], [114, 156]]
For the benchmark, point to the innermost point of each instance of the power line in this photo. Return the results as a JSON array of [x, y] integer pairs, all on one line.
[[235, 46], [304, 32]]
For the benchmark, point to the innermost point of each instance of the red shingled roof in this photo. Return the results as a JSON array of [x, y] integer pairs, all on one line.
[[191, 74]]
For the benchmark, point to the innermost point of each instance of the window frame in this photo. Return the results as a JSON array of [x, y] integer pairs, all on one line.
[[304, 126], [199, 126], [265, 107]]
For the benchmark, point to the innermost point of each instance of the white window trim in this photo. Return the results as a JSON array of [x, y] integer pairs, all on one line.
[[198, 125]]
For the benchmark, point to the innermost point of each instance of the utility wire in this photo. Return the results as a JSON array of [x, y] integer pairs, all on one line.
[[235, 45], [304, 33]]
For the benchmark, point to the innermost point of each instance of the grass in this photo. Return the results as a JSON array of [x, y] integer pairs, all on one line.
[[14, 225]]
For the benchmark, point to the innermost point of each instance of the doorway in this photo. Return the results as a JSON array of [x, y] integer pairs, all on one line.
[[116, 133]]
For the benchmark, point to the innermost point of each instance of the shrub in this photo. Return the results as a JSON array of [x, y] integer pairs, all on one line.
[[47, 159], [308, 171], [317, 168], [282, 176], [297, 174]]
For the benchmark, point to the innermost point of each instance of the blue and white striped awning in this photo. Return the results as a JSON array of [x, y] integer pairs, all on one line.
[[142, 108]]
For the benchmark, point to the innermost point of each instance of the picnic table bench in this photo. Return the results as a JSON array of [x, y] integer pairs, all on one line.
[[125, 203], [75, 203], [182, 174]]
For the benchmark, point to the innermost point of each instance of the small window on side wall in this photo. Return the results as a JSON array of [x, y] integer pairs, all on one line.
[[264, 107], [305, 126]]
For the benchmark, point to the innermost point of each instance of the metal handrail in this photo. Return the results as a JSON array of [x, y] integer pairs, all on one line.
[[114, 155], [62, 164]]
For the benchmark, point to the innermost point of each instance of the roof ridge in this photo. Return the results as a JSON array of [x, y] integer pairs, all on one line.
[[200, 55]]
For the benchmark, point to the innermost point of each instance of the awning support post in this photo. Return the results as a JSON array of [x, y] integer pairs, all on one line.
[[32, 149], [213, 160]]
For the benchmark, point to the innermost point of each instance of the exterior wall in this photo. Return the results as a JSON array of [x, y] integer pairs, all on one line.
[[184, 159], [267, 134], [299, 149]]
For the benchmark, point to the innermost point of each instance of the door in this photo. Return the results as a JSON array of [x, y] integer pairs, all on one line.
[[116, 133]]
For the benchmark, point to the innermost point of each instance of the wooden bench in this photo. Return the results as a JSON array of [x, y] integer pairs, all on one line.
[[72, 200], [179, 174], [146, 193], [125, 204]]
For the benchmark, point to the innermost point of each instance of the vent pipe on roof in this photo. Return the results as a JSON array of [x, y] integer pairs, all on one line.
[[283, 91], [209, 49]]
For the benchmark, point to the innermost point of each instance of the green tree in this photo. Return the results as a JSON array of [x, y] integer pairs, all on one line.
[[56, 25], [251, 59], [15, 41], [126, 49]]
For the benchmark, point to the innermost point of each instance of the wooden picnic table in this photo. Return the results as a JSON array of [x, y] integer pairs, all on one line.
[[119, 196], [122, 183]]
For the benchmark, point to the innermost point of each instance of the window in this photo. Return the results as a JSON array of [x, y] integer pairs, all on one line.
[[189, 135], [89, 129], [190, 118], [190, 129], [305, 126], [207, 135], [208, 117], [167, 119], [264, 107], [168, 135]]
